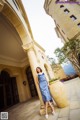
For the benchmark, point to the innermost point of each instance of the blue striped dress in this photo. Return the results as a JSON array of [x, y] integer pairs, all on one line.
[[44, 88]]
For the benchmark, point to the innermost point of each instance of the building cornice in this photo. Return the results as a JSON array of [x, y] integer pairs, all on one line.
[[13, 62], [39, 46], [24, 14], [46, 5]]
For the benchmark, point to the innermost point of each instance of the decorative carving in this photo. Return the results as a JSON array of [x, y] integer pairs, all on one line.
[[28, 46]]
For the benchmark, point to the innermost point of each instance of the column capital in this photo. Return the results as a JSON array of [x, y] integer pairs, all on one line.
[[28, 46]]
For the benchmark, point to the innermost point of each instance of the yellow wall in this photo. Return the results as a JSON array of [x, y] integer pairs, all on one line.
[[59, 72], [67, 28], [19, 73]]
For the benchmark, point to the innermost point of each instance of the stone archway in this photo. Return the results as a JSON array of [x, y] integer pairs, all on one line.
[[20, 24], [23, 30], [8, 71]]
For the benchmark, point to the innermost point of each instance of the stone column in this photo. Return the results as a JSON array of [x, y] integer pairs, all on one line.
[[33, 64], [50, 71], [48, 67]]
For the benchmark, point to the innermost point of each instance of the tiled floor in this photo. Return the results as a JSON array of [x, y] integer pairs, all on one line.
[[30, 110]]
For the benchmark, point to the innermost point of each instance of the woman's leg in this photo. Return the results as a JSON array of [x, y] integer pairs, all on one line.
[[46, 106], [51, 106]]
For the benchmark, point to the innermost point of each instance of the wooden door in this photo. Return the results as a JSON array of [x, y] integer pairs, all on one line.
[[31, 82], [14, 90], [8, 91]]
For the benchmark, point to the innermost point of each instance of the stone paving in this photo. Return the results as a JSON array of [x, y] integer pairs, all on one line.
[[30, 110]]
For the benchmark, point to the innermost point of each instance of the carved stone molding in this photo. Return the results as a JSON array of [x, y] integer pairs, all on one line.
[[46, 6], [2, 2], [28, 46]]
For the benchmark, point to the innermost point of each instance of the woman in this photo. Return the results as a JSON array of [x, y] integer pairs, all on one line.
[[44, 88]]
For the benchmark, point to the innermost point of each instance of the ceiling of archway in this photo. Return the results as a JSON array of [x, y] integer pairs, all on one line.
[[10, 42]]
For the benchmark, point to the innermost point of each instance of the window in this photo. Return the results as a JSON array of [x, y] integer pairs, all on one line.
[[61, 6], [15, 3], [42, 57], [78, 24], [73, 17], [66, 11]]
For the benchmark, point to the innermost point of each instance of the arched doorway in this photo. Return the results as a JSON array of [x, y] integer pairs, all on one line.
[[8, 91], [31, 82]]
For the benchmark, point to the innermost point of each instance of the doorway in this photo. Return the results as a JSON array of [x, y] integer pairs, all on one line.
[[8, 91], [31, 82]]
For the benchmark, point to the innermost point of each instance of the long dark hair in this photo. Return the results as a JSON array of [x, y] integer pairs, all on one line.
[[38, 68]]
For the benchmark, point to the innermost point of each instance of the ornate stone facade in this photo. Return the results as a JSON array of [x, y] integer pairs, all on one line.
[[19, 56]]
